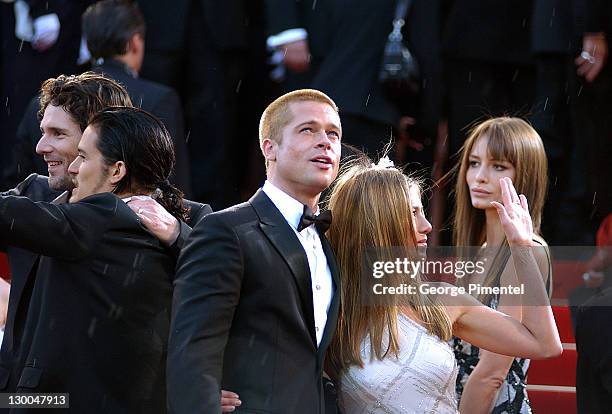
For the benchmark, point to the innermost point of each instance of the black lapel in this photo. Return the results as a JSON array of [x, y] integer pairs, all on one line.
[[332, 313], [284, 239]]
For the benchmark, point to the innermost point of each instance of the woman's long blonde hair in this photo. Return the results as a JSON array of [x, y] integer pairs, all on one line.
[[372, 209], [515, 141]]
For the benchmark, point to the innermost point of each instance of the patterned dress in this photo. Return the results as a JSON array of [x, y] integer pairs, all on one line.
[[421, 380], [512, 397]]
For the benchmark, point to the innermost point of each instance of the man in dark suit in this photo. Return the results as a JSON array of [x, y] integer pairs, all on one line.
[[594, 368], [98, 317], [81, 97], [257, 289]]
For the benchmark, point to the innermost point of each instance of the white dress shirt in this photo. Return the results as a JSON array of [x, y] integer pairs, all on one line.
[[320, 274]]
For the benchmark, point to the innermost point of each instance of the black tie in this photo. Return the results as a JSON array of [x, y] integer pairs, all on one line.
[[321, 222]]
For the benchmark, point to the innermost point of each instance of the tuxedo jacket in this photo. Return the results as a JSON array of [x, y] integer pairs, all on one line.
[[24, 264], [243, 316], [95, 323]]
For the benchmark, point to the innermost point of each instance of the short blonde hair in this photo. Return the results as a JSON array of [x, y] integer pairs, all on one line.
[[278, 114]]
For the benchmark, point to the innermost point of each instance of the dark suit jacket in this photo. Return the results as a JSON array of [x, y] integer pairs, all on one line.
[[225, 21], [494, 31], [594, 369], [95, 324], [347, 39], [161, 101], [243, 316], [24, 266], [559, 25]]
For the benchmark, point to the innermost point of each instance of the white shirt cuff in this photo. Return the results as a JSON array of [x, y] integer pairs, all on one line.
[[287, 36]]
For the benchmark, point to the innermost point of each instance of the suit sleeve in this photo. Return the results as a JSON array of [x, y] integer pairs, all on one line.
[[206, 292], [23, 160], [196, 213], [67, 231], [282, 15]]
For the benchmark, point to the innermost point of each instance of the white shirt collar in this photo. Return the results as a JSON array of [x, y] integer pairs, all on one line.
[[126, 200], [289, 207]]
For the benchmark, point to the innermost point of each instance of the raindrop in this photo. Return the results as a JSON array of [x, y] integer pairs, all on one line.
[[238, 86], [545, 103], [515, 75], [92, 327], [594, 197], [580, 90], [12, 224], [187, 137], [251, 340], [367, 100], [314, 4]]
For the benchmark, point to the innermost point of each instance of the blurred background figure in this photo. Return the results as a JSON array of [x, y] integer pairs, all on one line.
[[573, 88], [114, 31], [213, 53]]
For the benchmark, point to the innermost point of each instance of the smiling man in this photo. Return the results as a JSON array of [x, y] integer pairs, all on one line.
[[257, 290], [98, 316], [67, 104]]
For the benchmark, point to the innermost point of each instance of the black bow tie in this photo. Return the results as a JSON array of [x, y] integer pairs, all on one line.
[[321, 222]]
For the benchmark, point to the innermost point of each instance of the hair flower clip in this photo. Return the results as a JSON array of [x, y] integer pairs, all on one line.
[[383, 163]]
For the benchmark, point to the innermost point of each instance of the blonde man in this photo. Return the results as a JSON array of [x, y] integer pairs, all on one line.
[[257, 289]]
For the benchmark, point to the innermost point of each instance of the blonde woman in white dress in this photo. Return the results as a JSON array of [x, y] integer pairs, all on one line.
[[394, 358]]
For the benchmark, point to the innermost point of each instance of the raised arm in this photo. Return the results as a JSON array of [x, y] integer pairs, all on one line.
[[67, 231], [206, 292], [536, 336], [481, 389]]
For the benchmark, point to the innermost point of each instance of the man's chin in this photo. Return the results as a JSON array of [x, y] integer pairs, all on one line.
[[60, 183]]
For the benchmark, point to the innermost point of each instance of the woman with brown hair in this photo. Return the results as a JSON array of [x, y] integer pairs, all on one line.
[[497, 148], [393, 357]]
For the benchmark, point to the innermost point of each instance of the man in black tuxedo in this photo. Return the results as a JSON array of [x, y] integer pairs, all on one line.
[[80, 98], [257, 289], [99, 312]]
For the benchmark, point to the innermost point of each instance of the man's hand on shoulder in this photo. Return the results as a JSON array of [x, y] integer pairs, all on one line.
[[156, 219]]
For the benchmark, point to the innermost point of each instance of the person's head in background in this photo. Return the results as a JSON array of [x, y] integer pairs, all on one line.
[[496, 148], [299, 136], [67, 103], [115, 29], [126, 151]]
